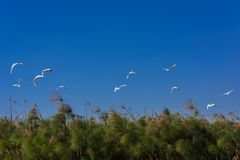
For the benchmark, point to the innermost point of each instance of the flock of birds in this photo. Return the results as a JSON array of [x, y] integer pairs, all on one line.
[[134, 73], [36, 78], [174, 88], [116, 89]]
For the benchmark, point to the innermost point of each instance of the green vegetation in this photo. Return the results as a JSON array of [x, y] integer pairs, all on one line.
[[112, 136]]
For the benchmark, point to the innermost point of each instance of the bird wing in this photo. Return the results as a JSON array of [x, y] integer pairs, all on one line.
[[124, 85], [128, 75], [36, 78], [46, 70], [131, 72], [227, 93], [209, 106], [230, 91], [116, 89], [173, 66], [173, 89], [13, 66], [61, 87], [17, 85]]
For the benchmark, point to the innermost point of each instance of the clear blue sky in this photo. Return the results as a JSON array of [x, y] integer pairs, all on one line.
[[91, 45]]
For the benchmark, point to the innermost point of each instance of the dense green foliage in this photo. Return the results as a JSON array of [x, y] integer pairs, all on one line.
[[112, 136]]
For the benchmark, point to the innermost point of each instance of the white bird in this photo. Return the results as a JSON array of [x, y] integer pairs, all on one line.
[[169, 69], [227, 93], [174, 88], [119, 88], [18, 85], [61, 87], [14, 65], [36, 78], [211, 106], [130, 73], [49, 70]]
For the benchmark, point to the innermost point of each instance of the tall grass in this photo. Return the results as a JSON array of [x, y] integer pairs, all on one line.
[[112, 136]]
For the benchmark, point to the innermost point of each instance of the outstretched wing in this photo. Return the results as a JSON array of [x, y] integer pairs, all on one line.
[[14, 65], [46, 70], [165, 69], [116, 89], [173, 66], [124, 85], [128, 75], [61, 87], [36, 78], [175, 88]]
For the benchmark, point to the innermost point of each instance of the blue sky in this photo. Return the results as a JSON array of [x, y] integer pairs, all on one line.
[[91, 46]]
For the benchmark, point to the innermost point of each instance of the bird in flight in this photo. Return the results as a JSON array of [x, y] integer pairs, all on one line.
[[61, 87], [175, 88], [18, 84], [47, 70], [37, 78], [119, 88], [211, 106], [227, 93], [170, 68], [14, 65], [130, 73]]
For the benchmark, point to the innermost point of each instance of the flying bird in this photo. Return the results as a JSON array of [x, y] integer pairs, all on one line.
[[227, 93], [14, 65], [170, 68], [131, 73], [61, 87], [119, 88], [47, 70], [18, 85], [174, 88], [36, 78], [211, 106]]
